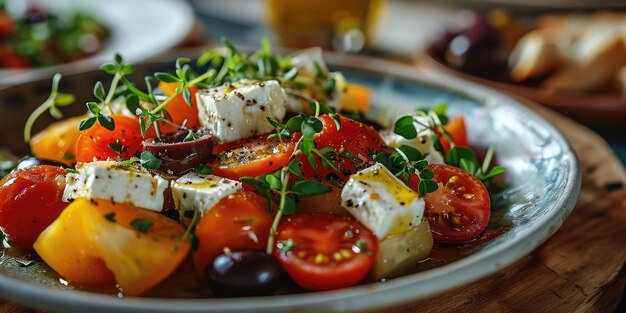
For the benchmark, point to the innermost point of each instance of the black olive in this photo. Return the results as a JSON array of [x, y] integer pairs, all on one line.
[[245, 273], [181, 156], [29, 161]]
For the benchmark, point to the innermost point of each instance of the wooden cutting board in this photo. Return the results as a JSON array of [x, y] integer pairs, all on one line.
[[579, 269]]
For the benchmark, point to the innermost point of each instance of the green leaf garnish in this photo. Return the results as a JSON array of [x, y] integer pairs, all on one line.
[[141, 225], [149, 161], [191, 136], [404, 127], [203, 169], [110, 217]]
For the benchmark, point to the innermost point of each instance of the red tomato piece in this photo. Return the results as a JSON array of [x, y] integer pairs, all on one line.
[[324, 251], [253, 156], [96, 142], [30, 200], [459, 210], [239, 221], [353, 144], [458, 132]]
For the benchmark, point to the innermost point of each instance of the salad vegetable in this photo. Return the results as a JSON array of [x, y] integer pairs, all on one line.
[[256, 169]]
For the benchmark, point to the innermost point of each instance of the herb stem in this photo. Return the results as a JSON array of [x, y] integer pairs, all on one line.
[[200, 78], [190, 226], [488, 157], [42, 108], [284, 177], [114, 83]]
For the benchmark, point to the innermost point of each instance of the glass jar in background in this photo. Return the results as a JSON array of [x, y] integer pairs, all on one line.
[[343, 25]]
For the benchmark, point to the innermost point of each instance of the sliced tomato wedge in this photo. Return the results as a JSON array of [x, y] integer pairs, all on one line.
[[459, 210], [99, 143], [239, 221], [94, 241], [253, 156], [456, 129], [354, 143], [324, 251]]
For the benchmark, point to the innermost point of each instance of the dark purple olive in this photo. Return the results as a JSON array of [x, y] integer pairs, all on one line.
[[29, 161], [178, 155], [245, 273]]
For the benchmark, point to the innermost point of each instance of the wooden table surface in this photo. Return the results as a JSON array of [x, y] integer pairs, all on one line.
[[579, 269]]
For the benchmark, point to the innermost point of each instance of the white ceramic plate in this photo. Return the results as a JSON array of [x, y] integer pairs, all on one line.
[[543, 174], [139, 29]]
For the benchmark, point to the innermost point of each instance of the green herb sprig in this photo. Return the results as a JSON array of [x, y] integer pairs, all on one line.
[[119, 70], [461, 157], [52, 104], [276, 187]]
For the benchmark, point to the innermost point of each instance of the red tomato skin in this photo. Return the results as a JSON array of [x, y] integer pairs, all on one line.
[[322, 233], [354, 137], [449, 203], [30, 200], [239, 221], [93, 144]]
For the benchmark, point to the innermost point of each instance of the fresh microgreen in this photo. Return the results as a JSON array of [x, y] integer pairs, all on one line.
[[110, 217], [25, 263], [286, 245], [276, 187], [71, 171], [404, 127], [466, 159], [190, 229], [149, 160], [203, 169], [6, 166], [52, 104], [361, 247], [118, 147], [141, 225], [191, 136]]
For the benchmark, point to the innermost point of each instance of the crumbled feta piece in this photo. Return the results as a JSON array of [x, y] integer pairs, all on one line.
[[202, 192], [239, 110], [110, 180], [382, 202]]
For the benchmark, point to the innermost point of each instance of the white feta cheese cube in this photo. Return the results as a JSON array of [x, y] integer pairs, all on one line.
[[197, 191], [305, 60], [382, 202], [423, 142], [113, 181], [239, 110]]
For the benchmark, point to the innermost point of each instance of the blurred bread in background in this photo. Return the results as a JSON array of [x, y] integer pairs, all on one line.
[[574, 52]]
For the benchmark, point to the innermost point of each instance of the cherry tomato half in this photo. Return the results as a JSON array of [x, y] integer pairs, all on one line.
[[324, 251], [459, 210], [353, 144], [30, 200], [99, 143], [239, 221], [253, 156]]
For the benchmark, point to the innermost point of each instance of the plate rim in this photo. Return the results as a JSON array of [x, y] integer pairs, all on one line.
[[392, 292]]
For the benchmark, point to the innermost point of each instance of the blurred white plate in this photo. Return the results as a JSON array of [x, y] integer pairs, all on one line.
[[139, 29]]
